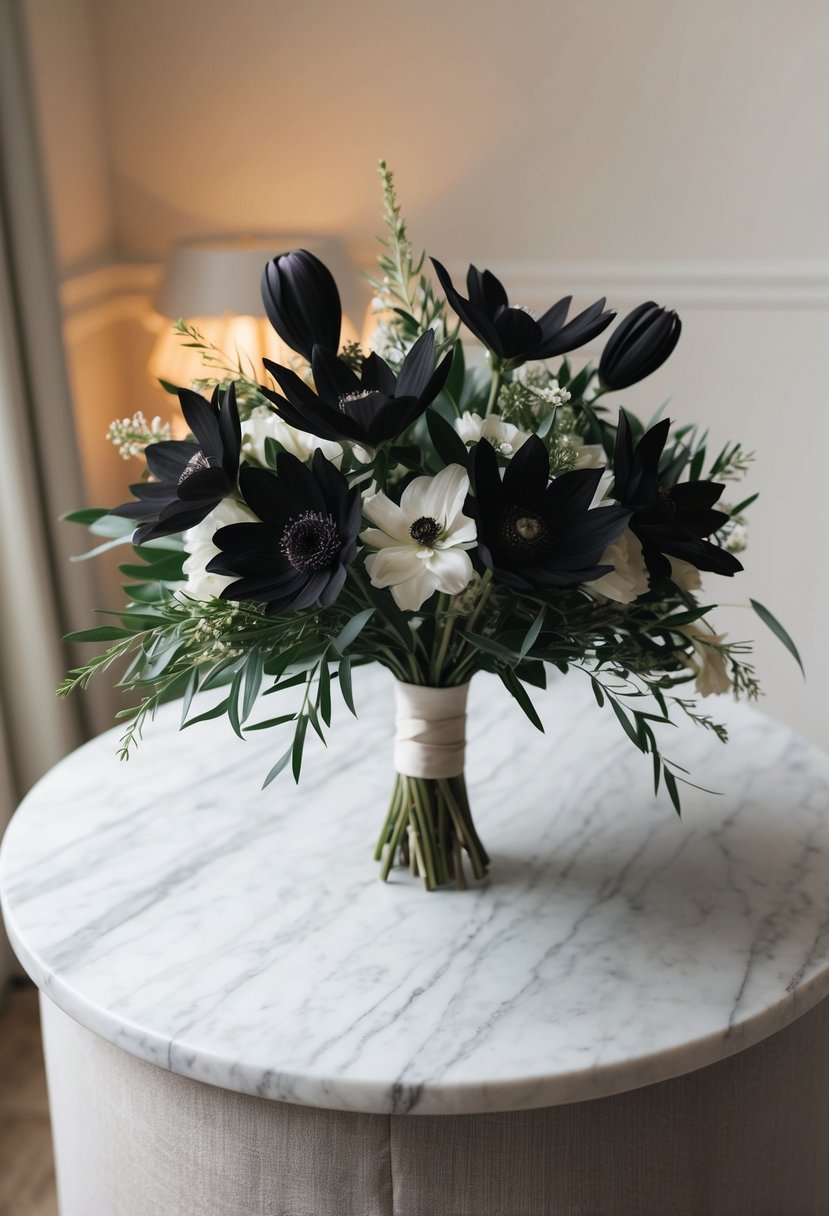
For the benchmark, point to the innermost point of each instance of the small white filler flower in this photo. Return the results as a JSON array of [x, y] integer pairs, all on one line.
[[503, 436], [422, 543]]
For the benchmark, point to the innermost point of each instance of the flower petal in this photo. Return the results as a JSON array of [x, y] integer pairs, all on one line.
[[387, 515]]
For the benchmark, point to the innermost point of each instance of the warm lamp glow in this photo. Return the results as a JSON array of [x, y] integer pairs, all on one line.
[[214, 284]]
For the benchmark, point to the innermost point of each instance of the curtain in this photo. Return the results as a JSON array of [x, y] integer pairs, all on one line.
[[42, 595]]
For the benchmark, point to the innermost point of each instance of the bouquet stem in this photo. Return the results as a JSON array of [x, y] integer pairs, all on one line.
[[429, 828]]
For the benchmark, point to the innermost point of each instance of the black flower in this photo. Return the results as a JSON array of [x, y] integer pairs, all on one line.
[[190, 478], [512, 333], [669, 520], [370, 408], [639, 344], [302, 302], [534, 533], [297, 556]]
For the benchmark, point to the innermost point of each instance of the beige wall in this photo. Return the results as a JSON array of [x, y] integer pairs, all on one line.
[[669, 149], [527, 129]]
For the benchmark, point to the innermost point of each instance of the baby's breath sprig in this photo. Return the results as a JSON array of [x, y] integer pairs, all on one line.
[[131, 435]]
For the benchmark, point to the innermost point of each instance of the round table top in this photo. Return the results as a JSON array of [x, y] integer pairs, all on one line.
[[241, 936]]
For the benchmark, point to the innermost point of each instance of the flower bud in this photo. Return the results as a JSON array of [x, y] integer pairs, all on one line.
[[640, 343], [302, 302]]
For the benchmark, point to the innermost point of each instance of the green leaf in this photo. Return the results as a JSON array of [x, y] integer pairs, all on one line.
[[324, 693], [779, 632], [344, 675], [189, 692], [686, 618], [146, 593], [278, 767], [87, 516], [448, 443], [110, 544], [352, 629], [298, 747], [519, 692], [673, 792], [628, 727], [491, 647], [253, 670], [215, 712], [533, 632], [233, 703], [112, 525], [395, 618], [597, 692], [271, 722], [745, 504], [103, 633]]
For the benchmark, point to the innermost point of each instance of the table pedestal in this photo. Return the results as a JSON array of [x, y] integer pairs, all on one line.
[[748, 1136]]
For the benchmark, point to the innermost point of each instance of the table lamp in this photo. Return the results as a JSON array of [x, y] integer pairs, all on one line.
[[213, 282]]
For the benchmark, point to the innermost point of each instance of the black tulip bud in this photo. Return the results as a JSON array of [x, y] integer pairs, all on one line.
[[302, 302], [640, 343]]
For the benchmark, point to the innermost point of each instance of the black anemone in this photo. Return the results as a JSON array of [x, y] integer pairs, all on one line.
[[537, 534], [639, 344], [296, 557], [370, 408], [190, 478], [512, 333], [669, 520], [302, 302]]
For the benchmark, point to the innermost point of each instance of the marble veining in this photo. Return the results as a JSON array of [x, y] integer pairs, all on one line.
[[241, 937]]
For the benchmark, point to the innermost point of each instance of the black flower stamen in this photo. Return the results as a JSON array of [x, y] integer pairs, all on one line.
[[425, 530], [310, 541]]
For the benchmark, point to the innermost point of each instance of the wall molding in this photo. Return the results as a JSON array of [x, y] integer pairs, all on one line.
[[117, 291]]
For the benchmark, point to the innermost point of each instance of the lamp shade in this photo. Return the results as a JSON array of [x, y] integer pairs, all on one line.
[[214, 282]]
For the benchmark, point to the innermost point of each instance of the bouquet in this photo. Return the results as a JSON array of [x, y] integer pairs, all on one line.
[[434, 512]]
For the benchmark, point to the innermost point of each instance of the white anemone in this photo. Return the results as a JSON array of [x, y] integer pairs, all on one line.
[[421, 544], [503, 436], [629, 577], [264, 424], [198, 541], [707, 661]]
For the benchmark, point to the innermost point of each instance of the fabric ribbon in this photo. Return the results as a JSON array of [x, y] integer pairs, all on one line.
[[430, 734]]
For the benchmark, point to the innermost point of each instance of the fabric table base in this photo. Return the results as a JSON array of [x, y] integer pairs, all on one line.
[[748, 1136]]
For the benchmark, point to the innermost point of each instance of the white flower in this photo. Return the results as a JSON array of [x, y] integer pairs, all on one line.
[[264, 424], [629, 577], [684, 575], [707, 661], [503, 436], [198, 541], [422, 543]]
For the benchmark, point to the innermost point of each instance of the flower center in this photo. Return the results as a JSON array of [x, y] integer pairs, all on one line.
[[310, 541], [348, 398], [194, 465], [524, 535], [425, 530]]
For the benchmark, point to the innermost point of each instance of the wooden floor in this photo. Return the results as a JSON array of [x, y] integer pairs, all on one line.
[[27, 1178]]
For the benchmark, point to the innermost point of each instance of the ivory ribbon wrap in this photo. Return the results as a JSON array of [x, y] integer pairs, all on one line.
[[430, 735]]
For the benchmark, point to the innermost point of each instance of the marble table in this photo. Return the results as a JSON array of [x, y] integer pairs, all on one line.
[[240, 939]]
